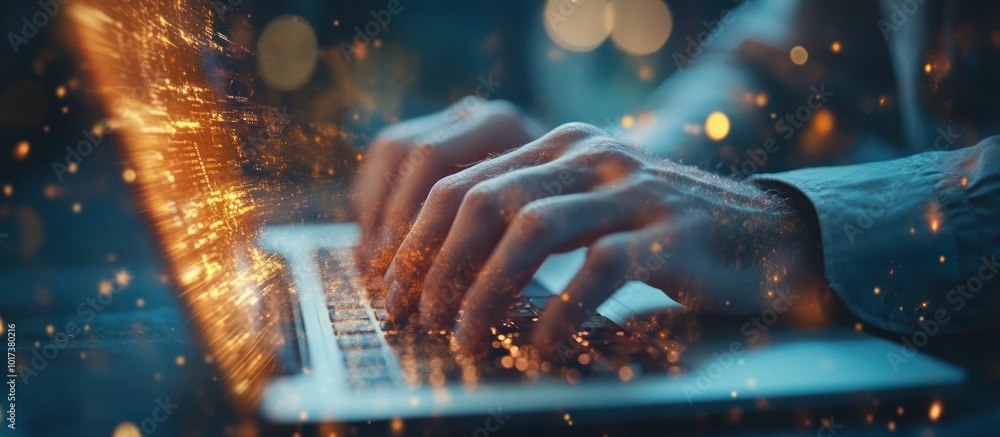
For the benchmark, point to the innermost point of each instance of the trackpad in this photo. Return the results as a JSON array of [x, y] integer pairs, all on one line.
[[632, 299]]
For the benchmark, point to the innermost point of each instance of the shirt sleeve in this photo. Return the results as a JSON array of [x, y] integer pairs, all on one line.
[[911, 242]]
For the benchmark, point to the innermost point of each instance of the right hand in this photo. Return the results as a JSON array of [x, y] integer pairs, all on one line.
[[408, 158]]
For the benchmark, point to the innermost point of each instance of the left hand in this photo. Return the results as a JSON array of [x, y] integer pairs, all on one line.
[[483, 232]]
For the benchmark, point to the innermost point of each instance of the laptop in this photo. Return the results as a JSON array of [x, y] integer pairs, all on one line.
[[281, 312]]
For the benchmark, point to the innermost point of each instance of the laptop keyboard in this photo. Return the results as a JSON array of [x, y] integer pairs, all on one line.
[[378, 353]]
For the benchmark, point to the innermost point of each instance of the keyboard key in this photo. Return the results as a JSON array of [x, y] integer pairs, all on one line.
[[358, 326], [348, 313], [360, 341]]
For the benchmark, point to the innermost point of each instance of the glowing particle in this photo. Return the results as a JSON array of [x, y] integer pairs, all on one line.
[[61, 92], [49, 329], [628, 121], [396, 425], [336, 23], [835, 47], [927, 68], [941, 259], [913, 231], [105, 287], [733, 394], [73, 167], [21, 150], [858, 326], [717, 125], [180, 360], [303, 415], [123, 278], [77, 207], [881, 101], [892, 425], [965, 181], [507, 361], [935, 412], [140, 302], [761, 100], [799, 55], [8, 190], [751, 382], [127, 429], [65, 110], [128, 175], [645, 72], [625, 373], [899, 410], [878, 290], [823, 122]]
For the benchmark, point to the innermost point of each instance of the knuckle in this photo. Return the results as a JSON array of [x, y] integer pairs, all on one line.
[[576, 131], [481, 201], [532, 222], [608, 254], [446, 192]]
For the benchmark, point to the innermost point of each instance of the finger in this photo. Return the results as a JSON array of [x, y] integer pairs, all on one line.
[[484, 132], [611, 261], [421, 246], [540, 229], [482, 220]]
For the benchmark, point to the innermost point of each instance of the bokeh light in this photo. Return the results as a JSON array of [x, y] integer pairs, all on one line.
[[717, 125], [287, 52], [799, 55], [641, 27], [580, 26]]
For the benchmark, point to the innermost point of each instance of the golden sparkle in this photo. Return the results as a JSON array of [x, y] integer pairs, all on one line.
[[628, 121], [717, 126], [935, 412], [798, 55], [21, 150], [835, 47]]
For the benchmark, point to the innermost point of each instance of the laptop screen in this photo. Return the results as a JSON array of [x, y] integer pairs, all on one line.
[[152, 64]]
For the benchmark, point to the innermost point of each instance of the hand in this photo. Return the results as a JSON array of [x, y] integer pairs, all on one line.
[[406, 159], [710, 243]]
